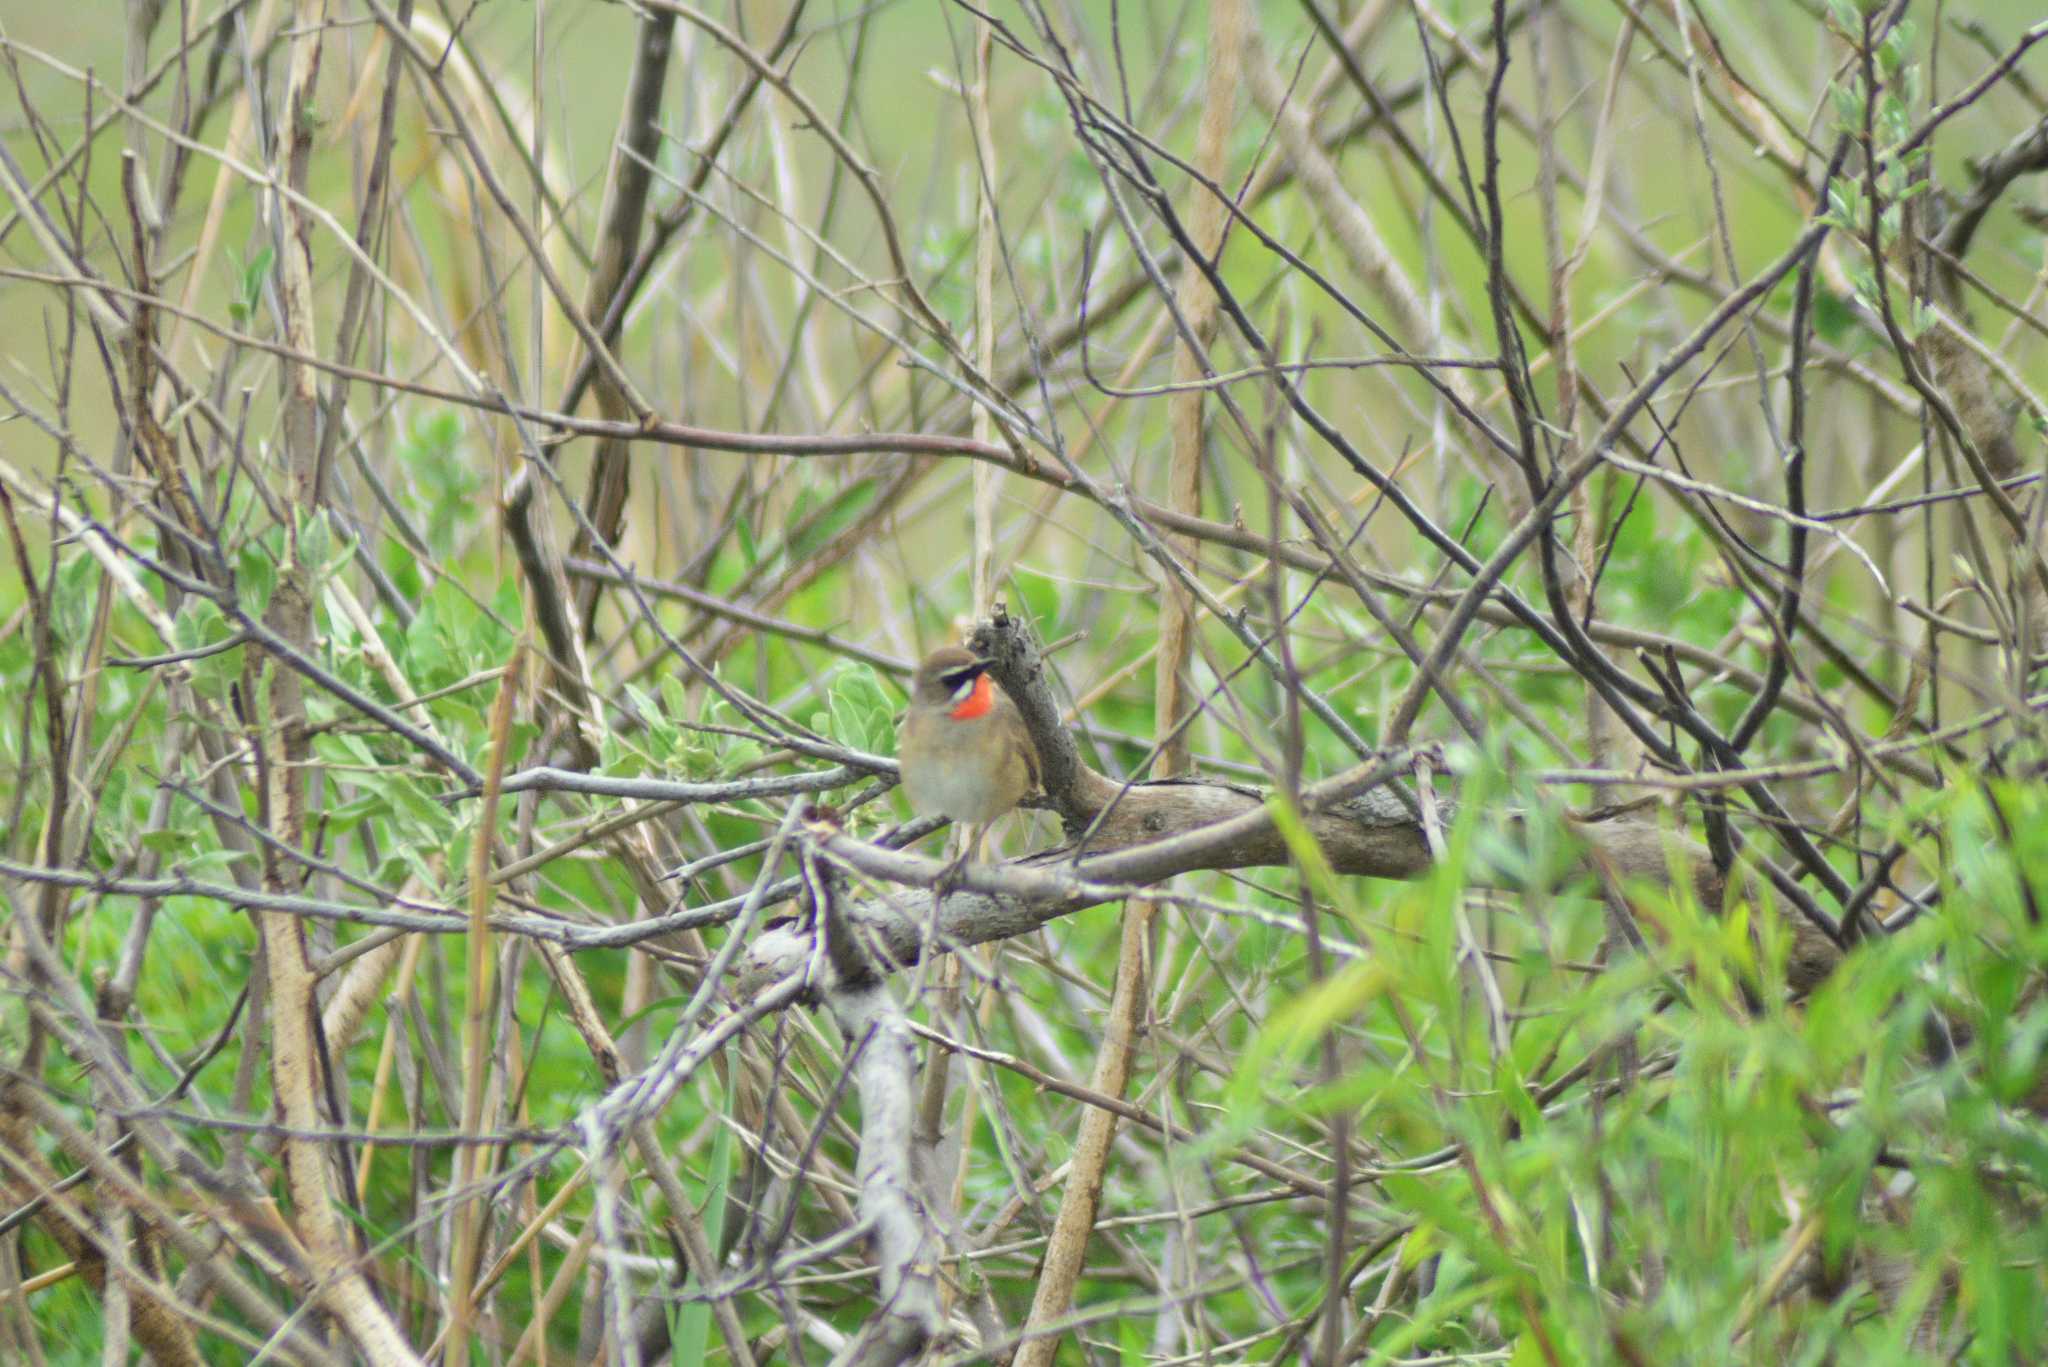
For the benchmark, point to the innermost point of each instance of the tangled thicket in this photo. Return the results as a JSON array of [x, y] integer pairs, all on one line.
[[1513, 527]]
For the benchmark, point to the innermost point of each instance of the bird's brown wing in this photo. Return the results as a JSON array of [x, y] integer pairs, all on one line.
[[1026, 749]]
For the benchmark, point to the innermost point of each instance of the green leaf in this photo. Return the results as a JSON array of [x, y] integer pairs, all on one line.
[[200, 624], [1892, 121], [691, 1332], [1891, 53], [259, 268], [1833, 318], [249, 278], [1848, 98], [1289, 1034], [837, 515], [347, 816], [255, 577], [861, 714], [1131, 1343], [674, 699], [74, 597], [209, 866], [1844, 205], [1308, 855], [662, 732]]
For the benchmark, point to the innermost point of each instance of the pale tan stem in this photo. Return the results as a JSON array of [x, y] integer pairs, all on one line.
[[295, 1055], [471, 1158], [1197, 303], [985, 475]]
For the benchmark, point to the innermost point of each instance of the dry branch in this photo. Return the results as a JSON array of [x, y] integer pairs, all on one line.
[[1127, 836]]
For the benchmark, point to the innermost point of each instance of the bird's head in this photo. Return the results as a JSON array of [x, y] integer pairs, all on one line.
[[954, 680]]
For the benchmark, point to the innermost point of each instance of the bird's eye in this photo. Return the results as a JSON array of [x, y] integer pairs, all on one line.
[[963, 684]]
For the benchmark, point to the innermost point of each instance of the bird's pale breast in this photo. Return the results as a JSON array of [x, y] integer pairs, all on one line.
[[964, 770]]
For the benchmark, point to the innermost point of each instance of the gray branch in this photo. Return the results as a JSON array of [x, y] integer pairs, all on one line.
[[1128, 836], [545, 778], [882, 1053]]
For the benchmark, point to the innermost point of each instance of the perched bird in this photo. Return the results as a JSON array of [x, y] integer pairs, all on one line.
[[964, 751]]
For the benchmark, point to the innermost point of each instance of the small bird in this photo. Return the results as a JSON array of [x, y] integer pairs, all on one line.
[[964, 750]]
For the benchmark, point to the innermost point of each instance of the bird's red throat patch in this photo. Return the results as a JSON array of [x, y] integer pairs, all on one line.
[[978, 702]]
